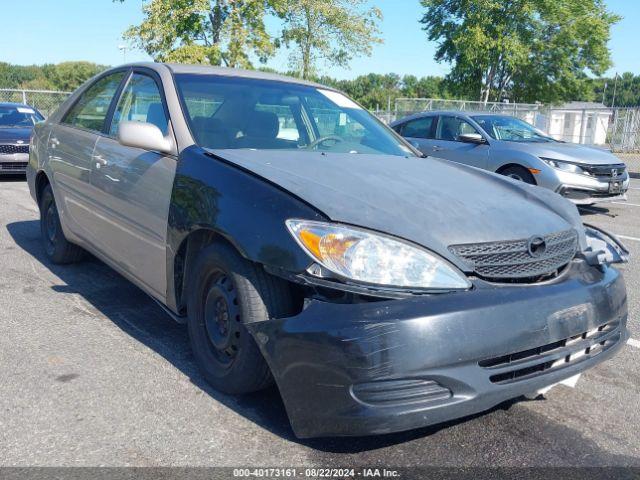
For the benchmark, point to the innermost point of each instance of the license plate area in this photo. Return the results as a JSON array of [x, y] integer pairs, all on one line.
[[615, 187]]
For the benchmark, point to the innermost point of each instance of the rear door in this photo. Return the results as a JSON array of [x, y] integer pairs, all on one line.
[[133, 187], [70, 151], [448, 146], [420, 132]]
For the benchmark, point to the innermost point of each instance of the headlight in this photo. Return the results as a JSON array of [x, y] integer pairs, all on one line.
[[372, 258], [564, 166], [603, 247]]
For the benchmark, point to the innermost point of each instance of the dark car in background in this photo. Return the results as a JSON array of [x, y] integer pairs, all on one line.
[[16, 124]]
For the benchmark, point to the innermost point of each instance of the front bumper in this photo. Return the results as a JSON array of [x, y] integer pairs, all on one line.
[[583, 189], [13, 163], [380, 367]]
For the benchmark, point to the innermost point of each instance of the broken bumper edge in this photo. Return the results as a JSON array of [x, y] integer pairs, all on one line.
[[382, 367]]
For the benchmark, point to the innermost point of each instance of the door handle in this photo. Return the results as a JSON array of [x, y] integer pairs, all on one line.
[[54, 142], [437, 148], [100, 160]]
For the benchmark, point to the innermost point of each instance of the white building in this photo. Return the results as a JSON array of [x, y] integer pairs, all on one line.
[[580, 122]]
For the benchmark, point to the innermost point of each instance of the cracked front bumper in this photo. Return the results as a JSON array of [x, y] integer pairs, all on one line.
[[380, 367], [583, 189]]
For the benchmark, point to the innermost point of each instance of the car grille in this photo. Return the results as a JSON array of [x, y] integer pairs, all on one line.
[[14, 149], [13, 166], [609, 171], [553, 356], [512, 260]]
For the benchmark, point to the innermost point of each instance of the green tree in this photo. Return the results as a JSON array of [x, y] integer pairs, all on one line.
[[332, 30], [625, 86], [204, 31], [425, 87], [527, 49], [68, 76]]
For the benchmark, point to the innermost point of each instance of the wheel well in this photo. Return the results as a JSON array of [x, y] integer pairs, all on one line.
[[41, 181], [516, 165], [509, 165], [185, 257]]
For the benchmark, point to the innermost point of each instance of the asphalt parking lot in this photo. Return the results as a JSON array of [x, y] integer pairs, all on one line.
[[92, 372]]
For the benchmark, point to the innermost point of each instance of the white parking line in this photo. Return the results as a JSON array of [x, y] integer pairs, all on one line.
[[628, 204], [624, 237], [633, 342]]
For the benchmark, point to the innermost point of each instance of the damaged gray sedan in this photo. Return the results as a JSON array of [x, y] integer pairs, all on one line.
[[303, 242]]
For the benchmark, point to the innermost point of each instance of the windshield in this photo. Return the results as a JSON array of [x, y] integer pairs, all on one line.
[[511, 129], [235, 113], [16, 116]]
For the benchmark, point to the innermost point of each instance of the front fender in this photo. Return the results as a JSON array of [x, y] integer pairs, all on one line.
[[503, 158], [209, 193]]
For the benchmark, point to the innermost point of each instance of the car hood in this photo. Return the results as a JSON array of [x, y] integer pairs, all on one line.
[[432, 202], [569, 152], [13, 134]]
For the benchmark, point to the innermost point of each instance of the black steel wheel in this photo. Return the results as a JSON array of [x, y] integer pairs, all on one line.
[[56, 246], [224, 293], [222, 317]]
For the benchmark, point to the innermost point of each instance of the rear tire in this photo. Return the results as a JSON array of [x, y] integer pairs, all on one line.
[[225, 292], [56, 246], [519, 173]]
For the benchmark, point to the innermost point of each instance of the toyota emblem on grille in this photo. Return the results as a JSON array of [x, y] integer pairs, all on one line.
[[20, 142], [614, 172], [536, 246]]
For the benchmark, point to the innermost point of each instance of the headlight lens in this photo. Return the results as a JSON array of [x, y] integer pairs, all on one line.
[[373, 258], [564, 166], [606, 247]]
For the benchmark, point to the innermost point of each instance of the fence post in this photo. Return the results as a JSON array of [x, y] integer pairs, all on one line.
[[24, 97]]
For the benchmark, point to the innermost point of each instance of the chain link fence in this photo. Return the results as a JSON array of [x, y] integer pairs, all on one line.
[[615, 128], [46, 101]]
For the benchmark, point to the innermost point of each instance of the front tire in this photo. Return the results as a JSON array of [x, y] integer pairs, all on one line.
[[519, 173], [225, 292], [57, 247]]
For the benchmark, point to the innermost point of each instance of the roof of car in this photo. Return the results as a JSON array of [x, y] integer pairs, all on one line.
[[179, 68], [448, 112]]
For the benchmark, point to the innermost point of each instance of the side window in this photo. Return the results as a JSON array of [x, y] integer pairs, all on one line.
[[419, 128], [140, 102], [91, 109], [449, 128]]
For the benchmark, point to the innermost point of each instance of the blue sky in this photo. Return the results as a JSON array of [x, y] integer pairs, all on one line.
[[53, 31]]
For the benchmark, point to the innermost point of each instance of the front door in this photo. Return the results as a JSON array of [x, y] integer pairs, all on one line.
[[448, 146], [133, 188]]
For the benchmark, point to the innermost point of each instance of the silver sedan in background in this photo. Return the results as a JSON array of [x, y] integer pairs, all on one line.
[[512, 147]]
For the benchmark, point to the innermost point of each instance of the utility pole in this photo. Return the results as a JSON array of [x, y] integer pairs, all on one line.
[[615, 85], [123, 48], [604, 92]]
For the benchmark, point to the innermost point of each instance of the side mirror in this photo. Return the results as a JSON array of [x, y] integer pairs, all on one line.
[[143, 135], [472, 138]]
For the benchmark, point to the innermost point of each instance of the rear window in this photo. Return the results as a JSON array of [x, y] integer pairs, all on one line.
[[419, 128], [90, 111]]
